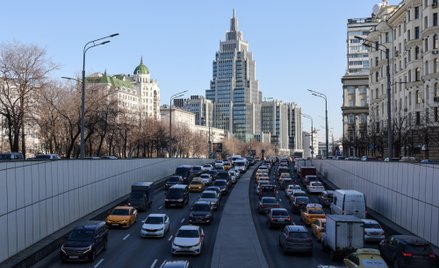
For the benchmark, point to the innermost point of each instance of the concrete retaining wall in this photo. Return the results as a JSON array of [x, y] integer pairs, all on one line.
[[39, 198], [405, 193]]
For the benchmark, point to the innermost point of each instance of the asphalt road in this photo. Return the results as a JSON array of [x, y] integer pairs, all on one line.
[[127, 249], [269, 237]]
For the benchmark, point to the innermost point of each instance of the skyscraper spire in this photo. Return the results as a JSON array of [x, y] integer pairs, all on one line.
[[141, 59], [234, 22]]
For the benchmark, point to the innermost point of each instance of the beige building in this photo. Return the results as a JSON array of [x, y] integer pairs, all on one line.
[[410, 31]]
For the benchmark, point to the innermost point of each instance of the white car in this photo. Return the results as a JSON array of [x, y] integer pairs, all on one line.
[[373, 232], [206, 178], [188, 240], [155, 225], [315, 187], [290, 188], [207, 167], [233, 177]]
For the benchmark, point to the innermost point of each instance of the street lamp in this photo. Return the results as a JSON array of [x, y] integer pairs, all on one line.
[[209, 142], [312, 134], [323, 96], [389, 92], [87, 46], [176, 95]]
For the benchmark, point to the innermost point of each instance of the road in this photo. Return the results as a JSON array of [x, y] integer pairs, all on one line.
[[127, 249], [269, 237]]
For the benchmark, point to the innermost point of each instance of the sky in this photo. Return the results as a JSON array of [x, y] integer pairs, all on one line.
[[297, 45]]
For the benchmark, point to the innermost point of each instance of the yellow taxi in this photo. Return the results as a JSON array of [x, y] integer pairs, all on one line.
[[121, 216], [318, 228], [196, 185], [365, 258], [312, 212]]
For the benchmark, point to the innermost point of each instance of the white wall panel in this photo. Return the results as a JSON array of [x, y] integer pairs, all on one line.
[[12, 232], [4, 254], [21, 241], [3, 192]]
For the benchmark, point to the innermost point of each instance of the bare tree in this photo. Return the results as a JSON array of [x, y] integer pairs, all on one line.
[[23, 69]]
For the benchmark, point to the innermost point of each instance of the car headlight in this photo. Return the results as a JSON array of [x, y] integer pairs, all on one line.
[[63, 249], [88, 249], [180, 200]]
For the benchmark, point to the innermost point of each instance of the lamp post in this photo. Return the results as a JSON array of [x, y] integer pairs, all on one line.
[[389, 92], [209, 142], [87, 46], [312, 134], [323, 96], [176, 95]]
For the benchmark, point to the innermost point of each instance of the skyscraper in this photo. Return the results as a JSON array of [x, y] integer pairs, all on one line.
[[234, 88]]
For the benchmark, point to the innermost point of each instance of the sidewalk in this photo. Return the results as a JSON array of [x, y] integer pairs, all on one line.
[[237, 243]]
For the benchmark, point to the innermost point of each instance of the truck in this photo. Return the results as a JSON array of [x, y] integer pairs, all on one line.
[[307, 170], [344, 235], [142, 194]]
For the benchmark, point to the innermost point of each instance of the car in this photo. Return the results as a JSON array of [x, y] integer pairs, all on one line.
[[206, 179], [173, 180], [290, 188], [177, 195], [295, 238], [260, 184], [185, 171], [188, 240], [201, 212], [227, 165], [267, 190], [312, 211], [122, 216], [428, 161], [233, 176], [207, 167], [224, 175], [215, 189], [296, 193], [408, 251], [326, 197], [365, 258], [299, 203], [408, 159], [196, 171], [315, 187], [155, 225], [213, 174], [11, 156], [212, 197], [266, 203], [222, 184], [109, 157], [176, 264], [309, 178], [196, 185], [373, 232], [278, 217], [84, 242], [318, 227], [285, 182], [47, 157]]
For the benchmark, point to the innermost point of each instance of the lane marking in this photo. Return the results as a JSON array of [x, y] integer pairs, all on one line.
[[99, 263], [170, 238], [162, 263], [160, 207], [153, 263], [128, 235], [182, 220]]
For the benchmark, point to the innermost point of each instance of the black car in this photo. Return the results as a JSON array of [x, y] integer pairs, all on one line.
[[408, 251], [213, 173], [185, 171], [299, 203], [201, 212], [326, 197], [173, 180], [222, 184], [295, 238], [85, 242], [196, 171], [177, 195], [224, 175]]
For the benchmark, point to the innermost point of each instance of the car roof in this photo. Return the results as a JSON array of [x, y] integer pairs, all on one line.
[[202, 202], [178, 186], [189, 227], [208, 191], [123, 207], [156, 215], [410, 239], [175, 264], [297, 228], [279, 209], [90, 225], [369, 221], [368, 251], [268, 197]]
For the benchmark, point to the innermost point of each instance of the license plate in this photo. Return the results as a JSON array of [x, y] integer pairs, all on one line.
[[115, 224], [73, 257]]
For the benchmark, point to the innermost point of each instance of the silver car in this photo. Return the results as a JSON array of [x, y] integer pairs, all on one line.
[[373, 232]]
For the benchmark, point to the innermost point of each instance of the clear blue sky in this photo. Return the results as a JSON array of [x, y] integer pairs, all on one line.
[[296, 44]]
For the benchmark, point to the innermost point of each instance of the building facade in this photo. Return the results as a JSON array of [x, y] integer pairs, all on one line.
[[355, 107], [200, 106], [234, 89], [294, 113], [274, 119], [410, 31]]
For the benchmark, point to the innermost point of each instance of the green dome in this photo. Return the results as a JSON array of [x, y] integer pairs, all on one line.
[[141, 68]]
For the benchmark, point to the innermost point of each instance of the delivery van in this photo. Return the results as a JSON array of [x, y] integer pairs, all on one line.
[[349, 202]]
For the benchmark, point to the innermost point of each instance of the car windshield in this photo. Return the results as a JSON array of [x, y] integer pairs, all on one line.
[[81, 235], [269, 200], [418, 249], [220, 183], [187, 233], [279, 213], [317, 184], [201, 207], [212, 189], [302, 199], [42, 156], [222, 175], [372, 226], [154, 220], [196, 168], [137, 195], [174, 193], [315, 211], [208, 195], [239, 164], [207, 165], [196, 182], [173, 179], [299, 235], [182, 171], [122, 212], [205, 176]]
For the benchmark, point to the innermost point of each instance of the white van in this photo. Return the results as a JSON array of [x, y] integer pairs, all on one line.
[[349, 202]]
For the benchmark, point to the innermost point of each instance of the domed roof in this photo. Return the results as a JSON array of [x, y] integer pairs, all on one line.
[[141, 68]]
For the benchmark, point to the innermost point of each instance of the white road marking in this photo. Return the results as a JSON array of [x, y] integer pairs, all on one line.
[[182, 220], [160, 207], [162, 263], [280, 199], [170, 238], [153, 263], [99, 263], [128, 235]]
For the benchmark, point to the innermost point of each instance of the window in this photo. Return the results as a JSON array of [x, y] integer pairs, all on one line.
[[418, 118], [418, 74], [426, 44], [425, 22], [376, 76], [434, 19], [410, 99], [436, 114], [436, 65], [416, 52], [416, 12], [435, 41], [436, 90], [426, 68], [387, 37], [408, 35], [418, 96], [417, 32]]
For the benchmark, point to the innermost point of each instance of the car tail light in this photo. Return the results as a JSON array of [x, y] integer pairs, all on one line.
[[276, 206], [406, 254], [261, 206], [432, 255], [273, 219], [288, 219]]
